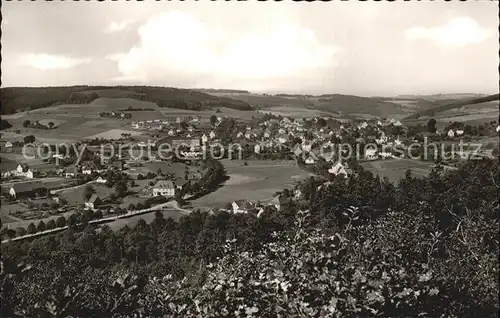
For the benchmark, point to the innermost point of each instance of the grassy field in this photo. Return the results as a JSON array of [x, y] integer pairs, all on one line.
[[148, 217], [294, 112], [74, 196], [259, 180], [395, 169], [114, 134]]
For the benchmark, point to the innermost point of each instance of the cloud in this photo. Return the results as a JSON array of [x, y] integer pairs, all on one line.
[[119, 26], [200, 54], [50, 62], [458, 32]]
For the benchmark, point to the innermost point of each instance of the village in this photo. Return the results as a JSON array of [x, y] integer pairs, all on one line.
[[109, 176]]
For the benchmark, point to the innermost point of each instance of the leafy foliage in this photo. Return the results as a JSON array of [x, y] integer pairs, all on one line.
[[361, 248]]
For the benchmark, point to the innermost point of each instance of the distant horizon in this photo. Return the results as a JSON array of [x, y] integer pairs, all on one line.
[[262, 92]]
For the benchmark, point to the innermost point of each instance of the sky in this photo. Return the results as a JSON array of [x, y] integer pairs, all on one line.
[[359, 48]]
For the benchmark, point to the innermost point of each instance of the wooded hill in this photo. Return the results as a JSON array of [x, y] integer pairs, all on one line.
[[16, 99]]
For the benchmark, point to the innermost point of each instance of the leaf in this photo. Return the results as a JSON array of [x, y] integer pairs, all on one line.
[[425, 277], [433, 292]]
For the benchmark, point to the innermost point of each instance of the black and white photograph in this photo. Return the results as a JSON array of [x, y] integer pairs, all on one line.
[[249, 159]]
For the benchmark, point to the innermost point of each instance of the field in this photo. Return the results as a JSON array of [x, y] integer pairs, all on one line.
[[293, 112], [74, 195], [395, 169], [114, 134], [259, 180], [148, 217]]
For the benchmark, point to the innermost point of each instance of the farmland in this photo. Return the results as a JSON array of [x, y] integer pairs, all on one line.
[[395, 170], [74, 195], [258, 180]]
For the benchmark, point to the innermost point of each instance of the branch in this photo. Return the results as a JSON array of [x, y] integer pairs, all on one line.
[[493, 179]]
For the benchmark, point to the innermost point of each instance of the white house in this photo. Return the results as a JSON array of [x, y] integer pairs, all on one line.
[[459, 132], [307, 146], [256, 149], [385, 155], [379, 123], [397, 123], [101, 180], [310, 160], [8, 144], [338, 169], [282, 139], [451, 133], [171, 132], [204, 139], [371, 154], [29, 174], [239, 134], [279, 202], [242, 206], [164, 188], [212, 135], [93, 202]]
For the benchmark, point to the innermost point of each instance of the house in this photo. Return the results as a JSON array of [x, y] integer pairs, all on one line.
[[379, 123], [307, 146], [451, 133], [212, 135], [87, 169], [26, 189], [101, 180], [459, 132], [310, 160], [385, 155], [297, 149], [297, 194], [256, 149], [29, 174], [239, 134], [371, 154], [93, 202], [279, 202], [21, 169], [8, 146], [283, 139], [397, 123], [338, 169], [71, 172], [164, 188], [204, 139], [242, 206]]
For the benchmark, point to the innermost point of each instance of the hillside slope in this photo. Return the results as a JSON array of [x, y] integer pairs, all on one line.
[[15, 99], [447, 105], [332, 103]]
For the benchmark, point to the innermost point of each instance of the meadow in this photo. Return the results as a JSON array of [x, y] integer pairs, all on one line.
[[257, 181], [395, 169]]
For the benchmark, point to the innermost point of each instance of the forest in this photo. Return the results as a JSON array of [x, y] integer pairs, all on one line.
[[361, 247]]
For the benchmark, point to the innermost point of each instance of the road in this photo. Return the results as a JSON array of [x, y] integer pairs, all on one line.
[[159, 207]]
